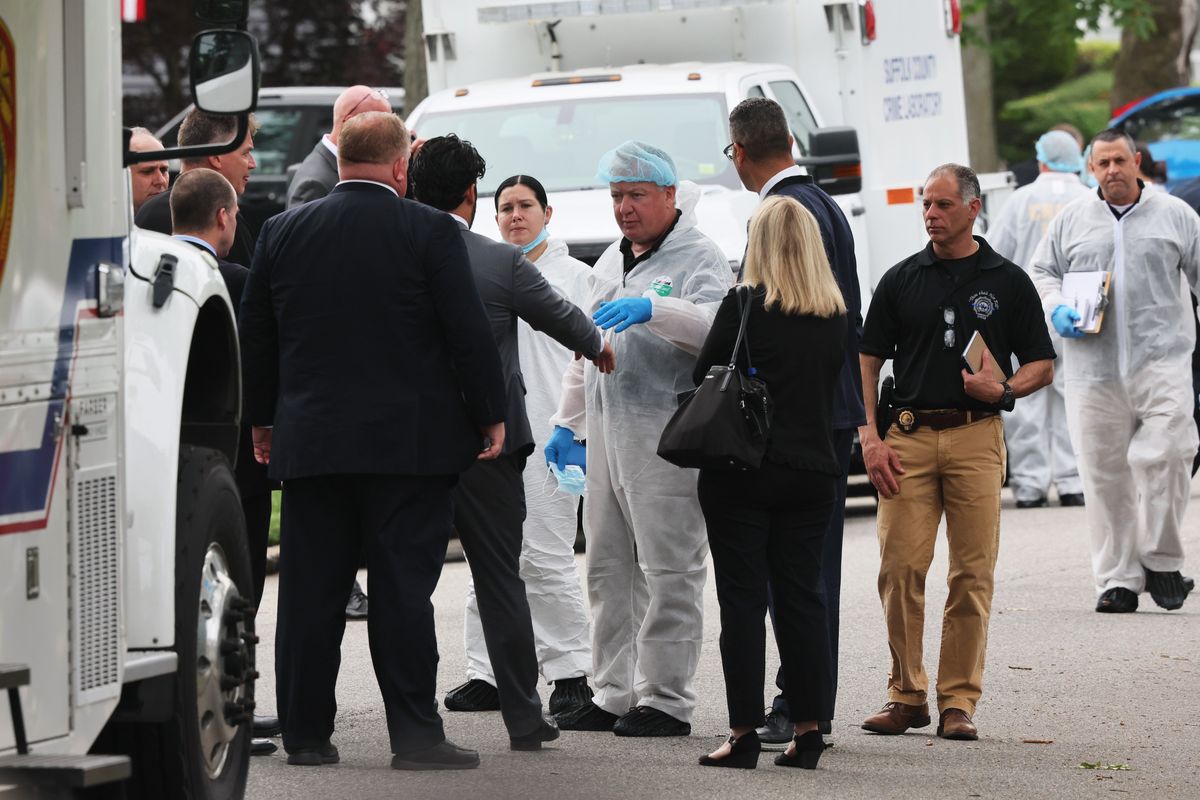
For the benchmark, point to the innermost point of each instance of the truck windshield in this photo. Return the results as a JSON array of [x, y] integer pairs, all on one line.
[[560, 142]]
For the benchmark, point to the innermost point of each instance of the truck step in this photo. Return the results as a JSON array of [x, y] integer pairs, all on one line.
[[65, 772]]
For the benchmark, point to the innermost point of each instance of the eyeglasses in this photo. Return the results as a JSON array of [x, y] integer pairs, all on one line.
[[948, 317], [728, 151], [380, 93]]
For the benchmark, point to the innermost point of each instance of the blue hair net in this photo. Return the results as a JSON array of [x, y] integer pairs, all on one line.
[[635, 162], [1059, 151]]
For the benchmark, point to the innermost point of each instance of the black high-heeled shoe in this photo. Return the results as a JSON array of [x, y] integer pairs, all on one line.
[[809, 747], [743, 753]]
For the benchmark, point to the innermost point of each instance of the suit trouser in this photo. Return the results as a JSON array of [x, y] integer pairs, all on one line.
[[770, 525], [489, 512], [256, 509], [831, 573], [405, 522], [1039, 443], [959, 471]]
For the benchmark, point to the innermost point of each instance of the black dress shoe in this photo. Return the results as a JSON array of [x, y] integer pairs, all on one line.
[[443, 755], [809, 747], [313, 756], [1168, 589], [587, 717], [569, 693], [1071, 499], [1117, 600], [474, 695], [776, 729], [266, 727], [743, 753], [1038, 502], [356, 606], [547, 731], [647, 721], [262, 747]]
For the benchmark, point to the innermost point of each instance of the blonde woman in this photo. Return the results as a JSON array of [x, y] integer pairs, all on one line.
[[767, 526]]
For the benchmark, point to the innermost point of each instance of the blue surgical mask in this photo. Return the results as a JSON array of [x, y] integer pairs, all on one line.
[[541, 237], [570, 480]]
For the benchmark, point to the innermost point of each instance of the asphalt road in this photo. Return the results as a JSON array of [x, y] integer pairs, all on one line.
[[1063, 687]]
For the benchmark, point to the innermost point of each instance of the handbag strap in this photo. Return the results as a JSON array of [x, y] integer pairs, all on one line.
[[743, 296]]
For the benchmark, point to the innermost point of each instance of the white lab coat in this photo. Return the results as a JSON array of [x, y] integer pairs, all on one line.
[[1129, 387]]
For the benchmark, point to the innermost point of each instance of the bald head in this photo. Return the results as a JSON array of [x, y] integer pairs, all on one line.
[[148, 178], [374, 147], [354, 101]]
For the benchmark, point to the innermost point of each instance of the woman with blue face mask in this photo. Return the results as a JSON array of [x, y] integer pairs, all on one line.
[[561, 629]]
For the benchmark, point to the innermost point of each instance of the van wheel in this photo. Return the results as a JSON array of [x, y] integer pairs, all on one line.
[[203, 751]]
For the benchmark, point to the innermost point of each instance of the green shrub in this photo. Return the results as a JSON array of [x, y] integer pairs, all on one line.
[[1081, 101], [1092, 56]]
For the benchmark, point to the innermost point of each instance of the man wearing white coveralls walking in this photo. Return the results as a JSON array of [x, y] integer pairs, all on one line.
[[1039, 445], [646, 537], [1129, 387]]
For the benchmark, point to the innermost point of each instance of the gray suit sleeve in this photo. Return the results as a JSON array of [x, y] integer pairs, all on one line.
[[305, 189], [547, 311]]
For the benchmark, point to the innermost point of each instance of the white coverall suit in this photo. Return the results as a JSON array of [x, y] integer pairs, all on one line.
[[560, 623], [646, 539], [1129, 387], [1039, 443]]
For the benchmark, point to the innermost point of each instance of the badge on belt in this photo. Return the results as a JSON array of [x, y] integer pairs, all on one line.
[[906, 420]]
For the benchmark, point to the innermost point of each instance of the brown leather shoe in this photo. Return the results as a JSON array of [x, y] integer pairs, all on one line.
[[956, 724], [896, 718]]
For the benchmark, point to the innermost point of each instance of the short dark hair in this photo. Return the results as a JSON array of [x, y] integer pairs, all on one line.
[[760, 127], [533, 183], [196, 198], [1115, 135], [968, 181], [200, 127], [443, 170]]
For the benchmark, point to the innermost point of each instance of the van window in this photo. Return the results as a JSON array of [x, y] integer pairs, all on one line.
[[800, 118], [273, 143], [560, 141], [756, 91]]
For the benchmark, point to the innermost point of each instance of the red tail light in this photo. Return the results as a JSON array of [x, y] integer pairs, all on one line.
[[953, 17], [866, 20]]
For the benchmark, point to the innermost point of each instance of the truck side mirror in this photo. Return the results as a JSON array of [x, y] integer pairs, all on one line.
[[224, 71], [834, 160]]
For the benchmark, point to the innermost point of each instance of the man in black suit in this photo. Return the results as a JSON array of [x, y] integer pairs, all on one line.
[[490, 499], [762, 154], [372, 382], [318, 171], [200, 128]]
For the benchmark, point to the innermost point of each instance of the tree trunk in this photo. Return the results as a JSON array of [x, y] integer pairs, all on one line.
[[977, 87], [1146, 66], [416, 83]]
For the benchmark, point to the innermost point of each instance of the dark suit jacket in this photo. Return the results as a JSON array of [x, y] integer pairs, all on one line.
[[155, 215], [848, 409], [364, 342], [511, 287], [317, 176]]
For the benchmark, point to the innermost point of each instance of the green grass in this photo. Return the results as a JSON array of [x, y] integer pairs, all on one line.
[[1082, 101], [273, 537]]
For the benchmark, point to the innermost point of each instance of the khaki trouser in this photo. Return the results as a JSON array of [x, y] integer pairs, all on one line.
[[958, 470]]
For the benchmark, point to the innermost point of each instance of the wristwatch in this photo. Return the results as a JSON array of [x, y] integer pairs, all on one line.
[[1008, 399]]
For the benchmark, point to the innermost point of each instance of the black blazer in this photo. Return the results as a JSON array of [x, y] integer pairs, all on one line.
[[155, 215], [364, 342], [800, 358], [317, 175], [511, 287]]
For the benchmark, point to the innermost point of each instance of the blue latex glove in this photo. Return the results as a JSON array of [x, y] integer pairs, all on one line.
[[577, 455], [623, 312], [558, 449], [1064, 319]]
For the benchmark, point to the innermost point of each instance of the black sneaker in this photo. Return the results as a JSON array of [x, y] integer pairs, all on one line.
[[647, 721], [568, 694], [587, 717], [1071, 500], [1037, 502], [474, 695], [1168, 589], [776, 729], [1117, 600]]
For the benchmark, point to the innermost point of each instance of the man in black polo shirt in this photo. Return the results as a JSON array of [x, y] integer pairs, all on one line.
[[945, 446]]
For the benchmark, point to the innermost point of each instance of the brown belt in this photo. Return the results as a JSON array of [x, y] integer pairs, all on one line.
[[909, 419]]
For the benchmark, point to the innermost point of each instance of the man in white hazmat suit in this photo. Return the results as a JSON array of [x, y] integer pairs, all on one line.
[[646, 537], [1129, 387], [1039, 444]]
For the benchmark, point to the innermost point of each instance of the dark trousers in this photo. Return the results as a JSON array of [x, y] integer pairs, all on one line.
[[831, 571], [768, 525], [489, 514], [405, 523], [257, 511]]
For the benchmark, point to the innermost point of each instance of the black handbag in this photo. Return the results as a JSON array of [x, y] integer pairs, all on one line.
[[723, 424]]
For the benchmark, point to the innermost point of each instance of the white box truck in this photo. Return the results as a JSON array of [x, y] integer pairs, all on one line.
[[546, 87], [126, 634]]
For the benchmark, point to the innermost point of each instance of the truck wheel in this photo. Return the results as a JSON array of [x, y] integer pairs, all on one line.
[[203, 751]]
